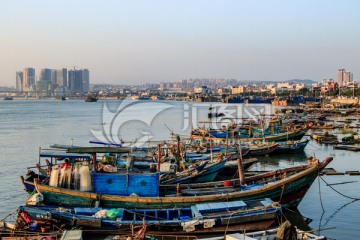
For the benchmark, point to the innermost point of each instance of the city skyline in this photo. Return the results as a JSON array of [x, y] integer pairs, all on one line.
[[49, 81], [134, 42]]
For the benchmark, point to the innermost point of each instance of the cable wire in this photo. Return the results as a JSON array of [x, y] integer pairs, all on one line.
[[329, 185]]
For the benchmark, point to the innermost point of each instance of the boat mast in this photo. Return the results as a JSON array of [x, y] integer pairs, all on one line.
[[240, 166], [227, 142], [211, 152], [159, 157]]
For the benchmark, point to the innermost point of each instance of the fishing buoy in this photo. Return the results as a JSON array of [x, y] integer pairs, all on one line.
[[85, 178], [54, 176], [227, 183]]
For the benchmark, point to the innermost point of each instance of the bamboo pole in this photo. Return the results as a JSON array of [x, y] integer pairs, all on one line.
[[211, 152], [159, 157], [240, 166]]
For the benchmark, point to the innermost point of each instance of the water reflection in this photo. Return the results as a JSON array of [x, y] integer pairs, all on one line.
[[296, 219], [280, 161], [333, 215]]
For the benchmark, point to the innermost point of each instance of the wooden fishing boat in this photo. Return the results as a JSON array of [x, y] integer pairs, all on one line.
[[324, 126], [325, 137], [330, 141], [287, 186], [250, 215], [54, 157], [350, 139], [347, 147], [203, 146], [47, 159], [186, 176], [292, 134], [21, 230], [90, 98], [211, 170], [262, 148], [291, 146], [233, 152], [283, 232], [231, 168]]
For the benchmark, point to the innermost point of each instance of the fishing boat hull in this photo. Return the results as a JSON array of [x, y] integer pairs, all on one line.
[[231, 168], [288, 191], [262, 150], [210, 172], [90, 99], [292, 147], [200, 218], [294, 135], [186, 176], [324, 138]]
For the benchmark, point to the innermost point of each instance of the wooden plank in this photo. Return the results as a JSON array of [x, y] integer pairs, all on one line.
[[235, 205], [202, 207], [215, 207], [267, 201], [195, 212], [94, 223]]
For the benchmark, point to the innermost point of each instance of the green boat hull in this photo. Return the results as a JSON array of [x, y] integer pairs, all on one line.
[[288, 191]]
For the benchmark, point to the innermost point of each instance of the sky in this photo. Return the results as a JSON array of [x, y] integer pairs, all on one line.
[[150, 41]]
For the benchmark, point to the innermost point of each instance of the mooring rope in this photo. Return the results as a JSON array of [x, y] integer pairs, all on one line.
[[10, 214], [336, 211], [282, 192], [329, 185], [322, 206]]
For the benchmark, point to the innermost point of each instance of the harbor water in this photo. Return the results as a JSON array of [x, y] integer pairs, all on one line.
[[27, 125]]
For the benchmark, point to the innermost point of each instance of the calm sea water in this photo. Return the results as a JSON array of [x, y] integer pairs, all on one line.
[[27, 125]]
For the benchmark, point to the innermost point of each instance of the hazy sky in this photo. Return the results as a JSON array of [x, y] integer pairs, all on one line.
[[125, 42]]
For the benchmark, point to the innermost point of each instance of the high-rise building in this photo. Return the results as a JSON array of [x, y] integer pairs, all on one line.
[[344, 77], [19, 80], [61, 77], [53, 77], [44, 87], [28, 79], [75, 81], [78, 81], [348, 78], [85, 80], [340, 77], [45, 74], [53, 81]]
